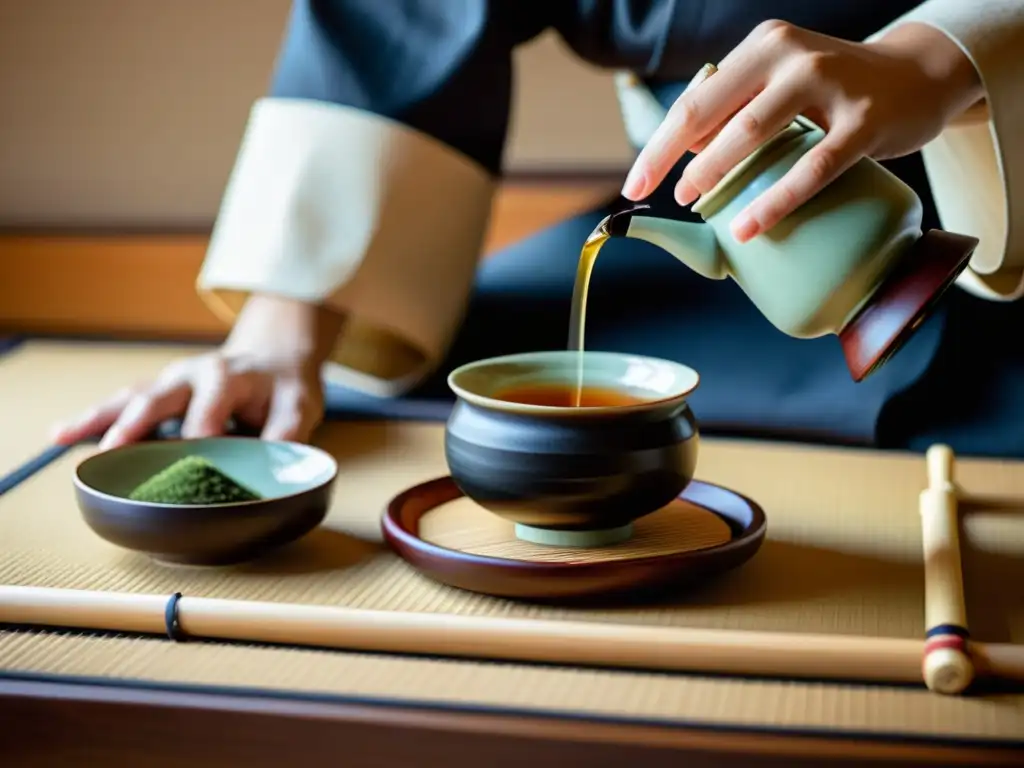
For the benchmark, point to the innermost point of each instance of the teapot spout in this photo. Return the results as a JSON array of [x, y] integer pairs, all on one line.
[[693, 243]]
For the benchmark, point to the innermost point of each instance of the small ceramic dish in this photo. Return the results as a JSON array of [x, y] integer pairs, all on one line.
[[295, 483], [569, 475]]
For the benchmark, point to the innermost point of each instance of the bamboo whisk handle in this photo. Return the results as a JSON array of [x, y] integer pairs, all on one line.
[[947, 666]]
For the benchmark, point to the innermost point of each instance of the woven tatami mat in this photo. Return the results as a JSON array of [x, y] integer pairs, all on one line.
[[843, 555], [620, 695], [42, 382]]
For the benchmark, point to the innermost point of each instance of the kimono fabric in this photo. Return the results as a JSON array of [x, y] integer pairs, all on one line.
[[451, 80]]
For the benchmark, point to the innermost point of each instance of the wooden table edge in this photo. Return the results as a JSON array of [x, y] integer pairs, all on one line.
[[73, 714]]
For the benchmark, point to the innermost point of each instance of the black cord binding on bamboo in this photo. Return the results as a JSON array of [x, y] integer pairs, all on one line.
[[171, 622]]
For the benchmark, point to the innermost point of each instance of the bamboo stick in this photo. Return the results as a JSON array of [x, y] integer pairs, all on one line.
[[947, 667], [570, 643]]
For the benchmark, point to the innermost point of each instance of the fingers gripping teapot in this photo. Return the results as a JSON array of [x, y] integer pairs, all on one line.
[[852, 261]]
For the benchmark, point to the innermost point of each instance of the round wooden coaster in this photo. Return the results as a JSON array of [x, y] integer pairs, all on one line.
[[464, 525], [451, 539]]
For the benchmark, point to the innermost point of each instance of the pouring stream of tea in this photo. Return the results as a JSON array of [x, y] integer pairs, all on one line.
[[591, 248], [578, 316]]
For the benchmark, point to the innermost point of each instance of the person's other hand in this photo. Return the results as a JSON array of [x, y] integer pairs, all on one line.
[[883, 99], [266, 374]]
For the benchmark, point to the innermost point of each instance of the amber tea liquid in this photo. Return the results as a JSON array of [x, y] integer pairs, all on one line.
[[567, 396]]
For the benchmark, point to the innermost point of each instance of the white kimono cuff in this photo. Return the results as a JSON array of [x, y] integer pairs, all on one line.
[[977, 171], [337, 206]]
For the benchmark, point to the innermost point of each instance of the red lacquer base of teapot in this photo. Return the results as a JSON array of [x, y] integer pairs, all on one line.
[[905, 300]]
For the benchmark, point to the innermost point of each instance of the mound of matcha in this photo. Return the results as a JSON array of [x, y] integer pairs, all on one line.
[[192, 480]]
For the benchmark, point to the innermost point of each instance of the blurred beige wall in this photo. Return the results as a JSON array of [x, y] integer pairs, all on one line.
[[119, 113]]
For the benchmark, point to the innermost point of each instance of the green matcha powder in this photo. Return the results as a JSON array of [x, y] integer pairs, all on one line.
[[189, 481]]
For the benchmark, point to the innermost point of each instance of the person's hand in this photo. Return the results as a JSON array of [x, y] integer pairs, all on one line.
[[266, 374], [883, 99]]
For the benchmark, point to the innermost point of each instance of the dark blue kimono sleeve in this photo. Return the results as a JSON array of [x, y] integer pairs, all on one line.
[[442, 67]]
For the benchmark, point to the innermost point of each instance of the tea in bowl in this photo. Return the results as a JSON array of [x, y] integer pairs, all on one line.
[[572, 447]]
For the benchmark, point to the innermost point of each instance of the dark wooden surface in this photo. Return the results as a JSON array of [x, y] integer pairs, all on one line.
[[68, 724]]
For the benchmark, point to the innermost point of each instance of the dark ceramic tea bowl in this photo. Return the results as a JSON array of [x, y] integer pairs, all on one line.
[[568, 475], [295, 483]]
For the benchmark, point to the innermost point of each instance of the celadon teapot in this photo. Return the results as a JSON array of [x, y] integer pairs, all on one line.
[[852, 261]]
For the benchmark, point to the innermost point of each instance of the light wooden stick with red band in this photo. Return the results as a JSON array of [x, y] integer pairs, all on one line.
[[551, 641], [947, 664]]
